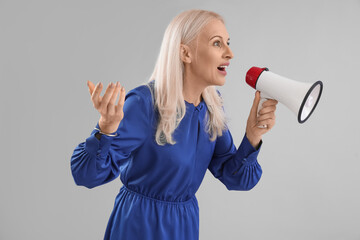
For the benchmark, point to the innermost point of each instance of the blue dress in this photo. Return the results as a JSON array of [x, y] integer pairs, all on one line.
[[157, 200]]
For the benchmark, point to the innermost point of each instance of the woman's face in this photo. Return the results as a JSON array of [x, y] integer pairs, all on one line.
[[209, 53]]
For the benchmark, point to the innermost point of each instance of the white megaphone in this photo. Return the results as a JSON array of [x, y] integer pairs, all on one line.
[[299, 97]]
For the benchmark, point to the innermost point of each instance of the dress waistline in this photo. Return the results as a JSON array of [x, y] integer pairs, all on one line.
[[189, 201]]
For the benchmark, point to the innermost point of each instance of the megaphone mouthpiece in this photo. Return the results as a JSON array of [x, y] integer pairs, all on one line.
[[253, 75]]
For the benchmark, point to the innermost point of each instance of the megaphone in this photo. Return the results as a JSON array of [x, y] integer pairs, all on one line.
[[301, 98]]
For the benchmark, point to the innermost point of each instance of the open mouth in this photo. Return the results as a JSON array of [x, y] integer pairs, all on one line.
[[221, 68]]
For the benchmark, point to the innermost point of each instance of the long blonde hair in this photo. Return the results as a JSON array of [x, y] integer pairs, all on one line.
[[168, 75]]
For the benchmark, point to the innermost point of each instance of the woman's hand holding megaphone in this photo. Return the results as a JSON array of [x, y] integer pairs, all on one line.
[[257, 119]]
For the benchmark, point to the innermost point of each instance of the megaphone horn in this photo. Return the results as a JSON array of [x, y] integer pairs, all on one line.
[[301, 98]]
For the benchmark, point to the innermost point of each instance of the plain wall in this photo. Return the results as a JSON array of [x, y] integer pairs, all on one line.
[[310, 188]]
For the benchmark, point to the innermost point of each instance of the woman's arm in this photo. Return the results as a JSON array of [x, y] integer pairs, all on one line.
[[237, 169], [99, 159]]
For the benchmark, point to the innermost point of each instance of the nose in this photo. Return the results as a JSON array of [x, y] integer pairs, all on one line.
[[228, 53]]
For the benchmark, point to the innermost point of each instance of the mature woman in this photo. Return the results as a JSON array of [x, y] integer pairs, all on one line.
[[163, 136]]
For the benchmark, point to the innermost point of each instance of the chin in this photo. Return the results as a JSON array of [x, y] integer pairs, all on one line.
[[216, 81], [223, 82], [220, 82]]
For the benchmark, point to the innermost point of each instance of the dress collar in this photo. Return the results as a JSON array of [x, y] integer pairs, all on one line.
[[199, 107]]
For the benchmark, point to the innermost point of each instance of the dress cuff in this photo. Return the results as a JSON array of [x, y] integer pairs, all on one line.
[[247, 151], [99, 147], [249, 146]]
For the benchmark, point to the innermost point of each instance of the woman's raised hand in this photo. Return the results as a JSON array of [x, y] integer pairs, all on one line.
[[111, 114]]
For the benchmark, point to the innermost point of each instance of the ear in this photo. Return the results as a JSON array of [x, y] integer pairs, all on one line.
[[185, 53]]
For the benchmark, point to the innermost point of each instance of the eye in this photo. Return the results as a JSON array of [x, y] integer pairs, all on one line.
[[219, 43]]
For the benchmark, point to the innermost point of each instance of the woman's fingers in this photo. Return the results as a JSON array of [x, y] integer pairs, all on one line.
[[120, 104], [91, 87], [95, 95], [253, 111], [115, 93], [269, 109], [269, 123], [255, 103], [270, 102], [111, 105], [106, 104], [266, 116], [106, 98], [111, 114]]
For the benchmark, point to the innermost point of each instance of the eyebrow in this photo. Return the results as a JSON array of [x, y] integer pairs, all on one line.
[[219, 37]]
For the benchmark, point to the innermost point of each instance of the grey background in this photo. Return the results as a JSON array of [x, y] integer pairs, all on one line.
[[310, 188]]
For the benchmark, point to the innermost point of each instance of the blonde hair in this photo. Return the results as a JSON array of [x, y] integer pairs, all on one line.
[[168, 75]]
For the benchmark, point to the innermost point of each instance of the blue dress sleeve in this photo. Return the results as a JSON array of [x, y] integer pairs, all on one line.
[[237, 169], [96, 162]]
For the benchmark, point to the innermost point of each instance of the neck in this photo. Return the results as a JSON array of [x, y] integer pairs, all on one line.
[[192, 90]]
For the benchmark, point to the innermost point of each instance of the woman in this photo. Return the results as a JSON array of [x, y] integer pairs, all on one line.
[[163, 136]]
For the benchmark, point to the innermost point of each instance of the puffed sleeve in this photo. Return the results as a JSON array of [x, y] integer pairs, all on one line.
[[96, 162], [237, 169]]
